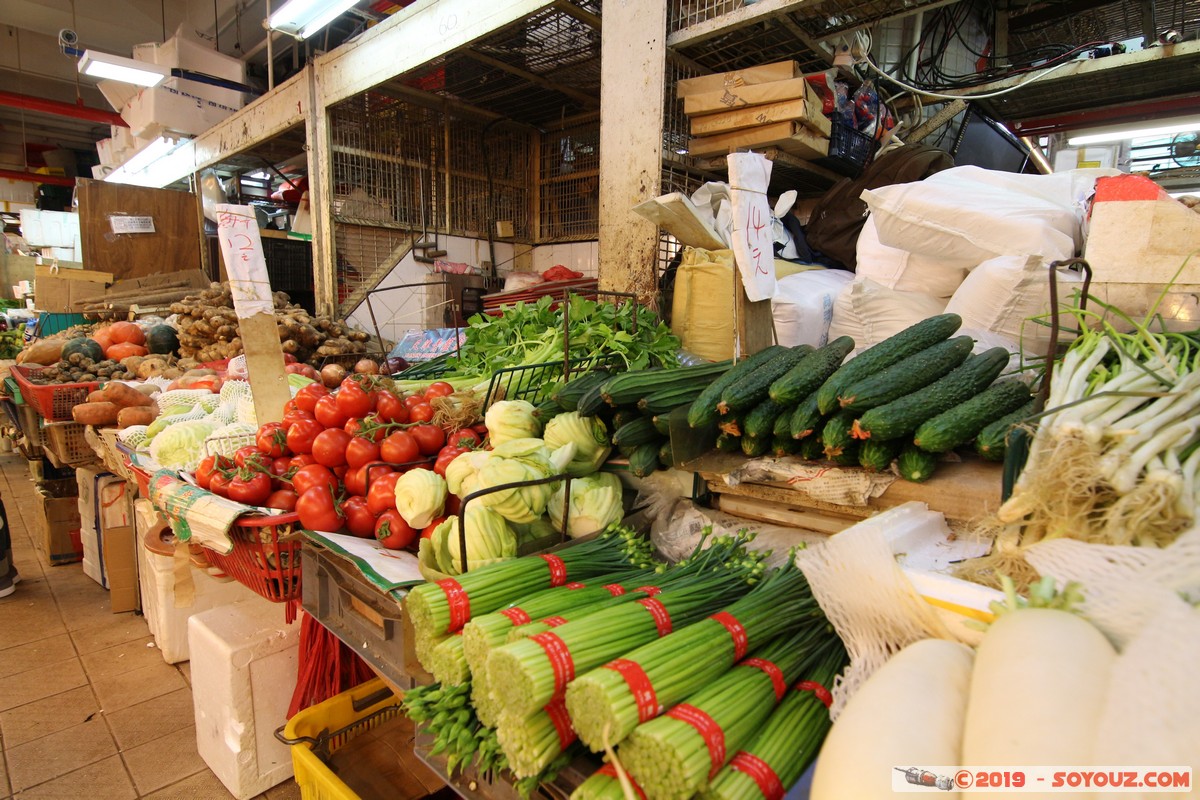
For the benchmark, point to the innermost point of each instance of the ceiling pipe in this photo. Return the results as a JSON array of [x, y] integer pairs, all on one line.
[[34, 177], [61, 109]]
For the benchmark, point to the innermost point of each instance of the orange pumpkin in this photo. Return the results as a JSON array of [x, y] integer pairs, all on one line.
[[122, 350], [127, 332], [104, 338]]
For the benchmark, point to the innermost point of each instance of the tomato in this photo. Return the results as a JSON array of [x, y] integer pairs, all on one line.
[[209, 466], [439, 389], [296, 416], [272, 439], [288, 358], [250, 456], [329, 447], [381, 489], [355, 427], [430, 438], [329, 414], [302, 461], [300, 435], [317, 510], [339, 472], [466, 438], [361, 451], [303, 369], [453, 504], [445, 456], [353, 400], [219, 485], [306, 399], [427, 531], [392, 531], [480, 430], [391, 408], [282, 499], [313, 475], [355, 481], [415, 399], [290, 406], [359, 520], [399, 448], [421, 412], [250, 488], [280, 466]]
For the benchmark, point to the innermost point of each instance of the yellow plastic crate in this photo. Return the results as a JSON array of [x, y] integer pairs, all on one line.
[[316, 733]]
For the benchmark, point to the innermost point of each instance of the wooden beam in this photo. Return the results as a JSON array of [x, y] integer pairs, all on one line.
[[320, 190], [732, 20], [581, 97], [943, 117]]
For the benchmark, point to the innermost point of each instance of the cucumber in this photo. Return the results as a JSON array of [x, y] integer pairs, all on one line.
[[749, 391], [915, 464], [806, 418], [626, 450], [665, 459], [783, 424], [812, 448], [907, 375], [959, 425], [568, 396], [704, 409], [900, 417], [876, 455], [640, 431], [755, 446], [644, 460], [624, 416], [836, 433], [992, 441], [728, 443], [591, 402], [628, 388], [668, 400], [848, 457], [760, 422], [911, 340], [814, 369], [548, 410], [662, 423], [731, 423], [785, 445]]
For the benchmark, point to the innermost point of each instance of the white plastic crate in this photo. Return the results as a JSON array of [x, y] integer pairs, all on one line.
[[102, 503], [244, 662]]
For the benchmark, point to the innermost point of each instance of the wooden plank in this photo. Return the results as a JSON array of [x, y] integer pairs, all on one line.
[[793, 515], [633, 56], [324, 246], [753, 324], [174, 245], [675, 214]]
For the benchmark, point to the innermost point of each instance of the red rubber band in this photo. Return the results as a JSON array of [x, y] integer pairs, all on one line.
[[575, 585], [517, 615], [760, 772], [773, 672], [615, 589], [558, 570], [557, 711], [737, 632], [611, 771], [560, 659], [649, 590], [639, 684], [554, 622], [662, 617], [459, 603], [709, 730], [817, 689]]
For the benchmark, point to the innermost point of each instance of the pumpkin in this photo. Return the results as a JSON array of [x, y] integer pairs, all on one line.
[[127, 332], [162, 340], [103, 337], [88, 347], [123, 350]]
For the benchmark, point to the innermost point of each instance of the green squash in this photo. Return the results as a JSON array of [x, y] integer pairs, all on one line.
[[90, 348], [162, 340]]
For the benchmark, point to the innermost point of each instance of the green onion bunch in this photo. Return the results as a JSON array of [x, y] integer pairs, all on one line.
[[604, 709], [669, 757], [448, 662], [531, 743], [603, 784]]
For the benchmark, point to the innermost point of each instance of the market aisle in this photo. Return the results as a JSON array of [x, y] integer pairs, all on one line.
[[86, 702]]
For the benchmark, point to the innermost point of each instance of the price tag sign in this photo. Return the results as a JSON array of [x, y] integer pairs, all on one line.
[[753, 235], [122, 223], [241, 247]]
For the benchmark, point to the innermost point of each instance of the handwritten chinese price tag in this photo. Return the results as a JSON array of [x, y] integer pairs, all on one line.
[[753, 237], [241, 247]]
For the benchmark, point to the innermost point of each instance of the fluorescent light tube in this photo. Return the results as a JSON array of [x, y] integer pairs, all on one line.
[[1168, 128], [140, 168], [124, 70], [302, 18]]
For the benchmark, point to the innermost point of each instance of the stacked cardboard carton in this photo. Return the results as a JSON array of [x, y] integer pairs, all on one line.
[[767, 106]]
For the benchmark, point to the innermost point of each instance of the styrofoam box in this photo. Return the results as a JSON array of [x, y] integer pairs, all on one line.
[[102, 504], [94, 569], [49, 228], [167, 619], [177, 105], [244, 662]]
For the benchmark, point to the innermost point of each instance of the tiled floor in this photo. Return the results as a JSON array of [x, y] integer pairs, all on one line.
[[88, 707]]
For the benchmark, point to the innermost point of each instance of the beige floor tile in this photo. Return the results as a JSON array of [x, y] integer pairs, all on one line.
[[35, 684], [122, 658], [5, 790], [92, 635], [185, 669], [59, 753], [204, 785], [44, 717], [152, 719], [18, 626], [136, 686], [35, 654], [164, 761], [288, 790], [104, 780]]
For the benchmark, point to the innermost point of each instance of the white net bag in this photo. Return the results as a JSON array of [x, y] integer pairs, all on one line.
[[229, 438], [232, 391], [245, 412], [134, 435], [181, 397]]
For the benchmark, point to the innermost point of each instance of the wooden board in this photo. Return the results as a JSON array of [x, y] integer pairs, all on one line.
[[676, 215], [174, 245], [380, 763]]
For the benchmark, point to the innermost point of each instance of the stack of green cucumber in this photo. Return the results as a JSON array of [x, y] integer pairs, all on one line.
[[908, 399], [635, 406]]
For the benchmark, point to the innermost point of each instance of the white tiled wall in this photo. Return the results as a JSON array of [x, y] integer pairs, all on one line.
[[580, 256]]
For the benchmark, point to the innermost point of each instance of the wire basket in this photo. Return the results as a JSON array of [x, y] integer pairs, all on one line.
[[532, 382], [226, 445], [849, 150], [65, 441], [265, 557], [54, 401]]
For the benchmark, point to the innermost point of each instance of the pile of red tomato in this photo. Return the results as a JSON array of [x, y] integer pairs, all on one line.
[[336, 456]]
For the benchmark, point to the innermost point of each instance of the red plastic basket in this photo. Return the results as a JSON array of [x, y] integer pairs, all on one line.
[[265, 556], [53, 401]]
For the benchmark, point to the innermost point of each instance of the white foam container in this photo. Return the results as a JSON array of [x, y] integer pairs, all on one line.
[[101, 504], [244, 662]]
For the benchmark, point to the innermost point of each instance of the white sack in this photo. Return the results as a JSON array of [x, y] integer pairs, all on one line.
[[803, 305], [908, 272], [869, 313]]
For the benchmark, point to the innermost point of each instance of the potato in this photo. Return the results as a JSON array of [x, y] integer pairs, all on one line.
[[95, 413], [96, 396], [125, 396], [136, 415]]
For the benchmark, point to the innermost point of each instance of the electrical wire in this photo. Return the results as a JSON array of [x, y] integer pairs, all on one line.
[[942, 96]]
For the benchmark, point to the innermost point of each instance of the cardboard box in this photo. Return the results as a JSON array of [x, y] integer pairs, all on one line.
[[1143, 241], [789, 136], [798, 110], [58, 519], [766, 73], [56, 290], [120, 564], [757, 94]]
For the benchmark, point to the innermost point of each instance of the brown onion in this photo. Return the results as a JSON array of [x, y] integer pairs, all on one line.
[[332, 375], [366, 366]]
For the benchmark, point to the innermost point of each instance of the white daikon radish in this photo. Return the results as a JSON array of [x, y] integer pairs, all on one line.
[[1037, 692], [909, 713]]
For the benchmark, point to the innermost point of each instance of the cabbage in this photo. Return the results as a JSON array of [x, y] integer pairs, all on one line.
[[181, 445], [511, 419], [462, 474], [595, 503], [534, 531], [515, 461], [420, 496], [489, 540], [588, 434]]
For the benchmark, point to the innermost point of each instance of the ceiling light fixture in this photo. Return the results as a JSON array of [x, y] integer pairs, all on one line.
[[119, 68], [140, 169], [302, 18], [1118, 134]]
